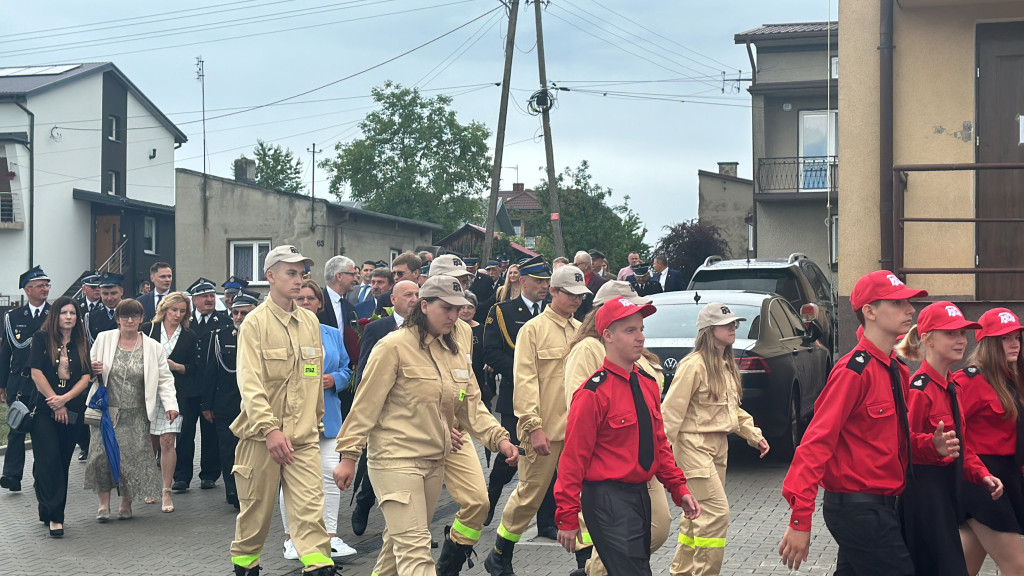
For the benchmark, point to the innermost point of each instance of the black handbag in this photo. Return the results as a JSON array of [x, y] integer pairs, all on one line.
[[20, 416]]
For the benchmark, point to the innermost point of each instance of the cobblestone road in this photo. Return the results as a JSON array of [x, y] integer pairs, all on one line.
[[194, 539]]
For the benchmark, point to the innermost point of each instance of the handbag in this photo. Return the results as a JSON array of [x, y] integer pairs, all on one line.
[[20, 417], [92, 416]]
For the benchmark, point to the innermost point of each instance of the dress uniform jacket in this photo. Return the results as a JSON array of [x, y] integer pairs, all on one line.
[[203, 330], [279, 375], [413, 425], [101, 319], [15, 348], [221, 392], [501, 330], [539, 397]]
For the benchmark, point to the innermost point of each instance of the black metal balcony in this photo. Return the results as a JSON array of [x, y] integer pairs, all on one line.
[[798, 174]]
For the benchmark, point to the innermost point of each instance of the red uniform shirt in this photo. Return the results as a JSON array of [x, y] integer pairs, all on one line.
[[928, 404], [602, 441], [853, 443], [992, 432]]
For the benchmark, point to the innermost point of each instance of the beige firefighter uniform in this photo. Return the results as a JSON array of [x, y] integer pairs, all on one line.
[[404, 419], [280, 369], [539, 403], [697, 425], [585, 358]]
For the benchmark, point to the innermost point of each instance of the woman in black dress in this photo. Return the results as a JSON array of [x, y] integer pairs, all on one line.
[[60, 371]]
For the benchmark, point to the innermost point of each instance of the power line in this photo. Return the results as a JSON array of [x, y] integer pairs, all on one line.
[[479, 34]]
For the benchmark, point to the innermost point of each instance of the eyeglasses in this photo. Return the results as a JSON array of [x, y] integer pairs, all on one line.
[[570, 295], [307, 299], [130, 318]]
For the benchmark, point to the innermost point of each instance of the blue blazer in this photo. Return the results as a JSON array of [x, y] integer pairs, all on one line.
[[336, 364], [674, 282]]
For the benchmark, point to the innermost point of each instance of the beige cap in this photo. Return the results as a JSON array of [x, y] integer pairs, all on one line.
[[446, 288], [284, 253], [615, 288], [448, 265], [716, 314], [570, 279]]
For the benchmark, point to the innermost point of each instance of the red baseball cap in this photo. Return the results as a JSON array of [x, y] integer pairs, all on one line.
[[943, 316], [997, 322], [618, 308], [881, 285]]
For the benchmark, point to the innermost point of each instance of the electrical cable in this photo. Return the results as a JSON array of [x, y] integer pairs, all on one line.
[[484, 28]]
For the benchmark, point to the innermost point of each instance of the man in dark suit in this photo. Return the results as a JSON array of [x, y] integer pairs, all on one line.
[[584, 261], [484, 287], [15, 375], [381, 281], [641, 280], [670, 280], [161, 276], [501, 328], [362, 290], [340, 278], [405, 296]]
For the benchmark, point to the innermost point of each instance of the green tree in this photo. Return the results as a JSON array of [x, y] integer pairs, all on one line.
[[415, 160], [277, 168], [588, 221], [686, 245]]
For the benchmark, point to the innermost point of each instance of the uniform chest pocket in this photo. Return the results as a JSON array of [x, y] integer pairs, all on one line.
[[622, 420], [312, 362], [882, 409], [276, 362], [423, 384], [461, 378], [549, 354], [997, 406]]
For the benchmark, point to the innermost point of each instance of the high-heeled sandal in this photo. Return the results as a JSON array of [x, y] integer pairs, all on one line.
[[167, 507]]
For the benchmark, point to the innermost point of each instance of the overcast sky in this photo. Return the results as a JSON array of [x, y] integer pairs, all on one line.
[[645, 144]]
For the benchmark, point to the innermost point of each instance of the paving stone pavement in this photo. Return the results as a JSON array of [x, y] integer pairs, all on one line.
[[194, 539]]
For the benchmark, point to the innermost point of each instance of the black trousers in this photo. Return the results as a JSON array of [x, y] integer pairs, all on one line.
[[502, 474], [14, 460], [618, 516], [226, 442], [52, 446], [868, 535], [365, 498], [83, 438], [929, 514], [209, 467]]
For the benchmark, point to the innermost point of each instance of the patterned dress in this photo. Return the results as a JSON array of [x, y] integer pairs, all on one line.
[[140, 477]]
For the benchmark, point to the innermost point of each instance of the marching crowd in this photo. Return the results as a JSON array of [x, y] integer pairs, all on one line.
[[381, 380]]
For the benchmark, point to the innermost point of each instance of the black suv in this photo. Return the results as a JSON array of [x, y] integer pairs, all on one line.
[[797, 279]]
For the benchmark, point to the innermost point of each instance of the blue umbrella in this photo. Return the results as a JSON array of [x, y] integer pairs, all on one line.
[[100, 401]]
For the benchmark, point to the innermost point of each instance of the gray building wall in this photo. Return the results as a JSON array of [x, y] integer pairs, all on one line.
[[787, 227], [234, 210], [781, 130], [792, 65], [725, 202]]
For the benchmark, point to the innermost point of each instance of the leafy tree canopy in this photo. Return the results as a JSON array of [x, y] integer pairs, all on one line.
[[277, 168], [415, 160], [687, 244]]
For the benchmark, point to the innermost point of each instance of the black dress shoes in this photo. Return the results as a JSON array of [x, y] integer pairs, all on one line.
[[207, 484], [179, 487], [360, 516], [10, 483], [83, 456]]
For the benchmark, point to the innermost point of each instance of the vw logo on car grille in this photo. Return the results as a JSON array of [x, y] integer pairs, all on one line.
[[670, 363]]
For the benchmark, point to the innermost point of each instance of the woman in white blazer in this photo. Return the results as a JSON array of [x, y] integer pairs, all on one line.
[[135, 371]]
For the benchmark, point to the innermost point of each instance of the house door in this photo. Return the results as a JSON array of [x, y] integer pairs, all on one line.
[[1000, 193], [107, 236], [816, 145]]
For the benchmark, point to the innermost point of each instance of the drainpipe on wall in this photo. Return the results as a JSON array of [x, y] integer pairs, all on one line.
[[885, 135], [31, 183]]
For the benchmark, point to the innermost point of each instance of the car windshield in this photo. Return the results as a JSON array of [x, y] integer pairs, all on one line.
[[777, 280], [680, 321]]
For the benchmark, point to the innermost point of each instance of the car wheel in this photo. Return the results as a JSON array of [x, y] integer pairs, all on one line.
[[787, 444]]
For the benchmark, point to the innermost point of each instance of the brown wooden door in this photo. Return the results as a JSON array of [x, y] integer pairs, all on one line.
[[108, 235], [1000, 193]]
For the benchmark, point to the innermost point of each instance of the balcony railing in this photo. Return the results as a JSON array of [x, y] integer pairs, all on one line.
[[798, 174]]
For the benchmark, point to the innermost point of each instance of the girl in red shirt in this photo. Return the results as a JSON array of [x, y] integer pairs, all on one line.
[[990, 397]]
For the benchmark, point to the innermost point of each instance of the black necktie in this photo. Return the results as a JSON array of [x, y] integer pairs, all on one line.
[[901, 412], [36, 315], [536, 309], [110, 313], [643, 419], [954, 406]]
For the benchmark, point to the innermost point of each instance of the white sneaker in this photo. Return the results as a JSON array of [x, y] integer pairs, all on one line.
[[339, 549], [289, 551]]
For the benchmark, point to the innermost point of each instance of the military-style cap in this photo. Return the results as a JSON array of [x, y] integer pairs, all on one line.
[[570, 279], [503, 258], [285, 253], [641, 269], [36, 273], [615, 288], [110, 279], [471, 260], [234, 285], [446, 288], [492, 264], [202, 286], [448, 265], [245, 298], [380, 264], [716, 314], [596, 254], [535, 267], [92, 280]]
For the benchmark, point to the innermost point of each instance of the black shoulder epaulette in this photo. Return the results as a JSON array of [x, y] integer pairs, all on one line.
[[596, 380], [921, 381], [859, 361], [972, 371], [643, 373]]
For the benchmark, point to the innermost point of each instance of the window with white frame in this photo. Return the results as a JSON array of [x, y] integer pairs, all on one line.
[[149, 235], [834, 249], [247, 257], [113, 183], [817, 146], [394, 254], [113, 128], [835, 68]]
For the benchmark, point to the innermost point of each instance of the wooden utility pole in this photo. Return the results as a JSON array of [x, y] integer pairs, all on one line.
[[556, 222], [499, 144]]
